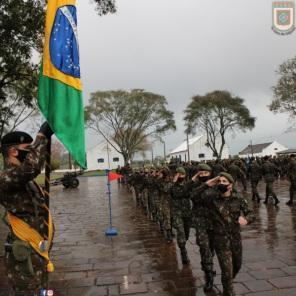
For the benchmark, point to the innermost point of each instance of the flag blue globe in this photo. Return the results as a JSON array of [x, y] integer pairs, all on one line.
[[63, 45]]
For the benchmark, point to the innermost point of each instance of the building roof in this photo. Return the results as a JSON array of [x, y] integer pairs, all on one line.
[[183, 146], [257, 148], [102, 146], [287, 151]]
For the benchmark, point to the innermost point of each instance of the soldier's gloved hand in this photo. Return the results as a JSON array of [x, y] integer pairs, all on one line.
[[46, 130]]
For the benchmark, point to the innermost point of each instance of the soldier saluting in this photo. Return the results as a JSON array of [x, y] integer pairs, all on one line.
[[202, 224], [228, 212], [181, 211], [30, 235]]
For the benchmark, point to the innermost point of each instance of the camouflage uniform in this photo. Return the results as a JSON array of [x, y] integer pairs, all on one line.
[[255, 174], [292, 177], [165, 208], [135, 180], [181, 211], [152, 191], [224, 213], [236, 172], [218, 168], [145, 189], [203, 228], [157, 200], [127, 171], [243, 175], [270, 172], [20, 196]]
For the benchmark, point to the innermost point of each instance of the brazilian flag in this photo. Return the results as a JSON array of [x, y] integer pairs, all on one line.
[[60, 91]]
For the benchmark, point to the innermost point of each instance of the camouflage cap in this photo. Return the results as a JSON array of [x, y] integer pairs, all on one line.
[[227, 176], [181, 170], [204, 167], [15, 138]]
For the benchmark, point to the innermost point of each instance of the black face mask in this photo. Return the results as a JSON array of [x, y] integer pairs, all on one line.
[[204, 178], [22, 154], [222, 188]]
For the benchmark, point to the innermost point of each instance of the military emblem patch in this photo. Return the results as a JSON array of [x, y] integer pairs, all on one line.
[[283, 17]]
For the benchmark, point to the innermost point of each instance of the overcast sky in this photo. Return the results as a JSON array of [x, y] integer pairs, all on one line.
[[180, 48]]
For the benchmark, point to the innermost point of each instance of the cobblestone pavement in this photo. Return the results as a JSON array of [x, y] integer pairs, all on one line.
[[139, 262]]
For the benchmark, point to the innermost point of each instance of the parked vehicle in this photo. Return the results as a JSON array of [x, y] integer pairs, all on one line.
[[69, 180]]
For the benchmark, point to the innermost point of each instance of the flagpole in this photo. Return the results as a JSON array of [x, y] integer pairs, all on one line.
[[111, 231], [47, 185], [47, 173]]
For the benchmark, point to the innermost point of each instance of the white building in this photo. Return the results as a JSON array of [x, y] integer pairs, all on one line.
[[198, 150], [260, 150], [98, 159], [287, 152]]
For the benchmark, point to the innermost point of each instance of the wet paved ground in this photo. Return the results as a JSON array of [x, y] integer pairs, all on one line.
[[139, 261]]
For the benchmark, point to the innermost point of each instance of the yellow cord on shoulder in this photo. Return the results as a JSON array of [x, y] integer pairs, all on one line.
[[26, 233]]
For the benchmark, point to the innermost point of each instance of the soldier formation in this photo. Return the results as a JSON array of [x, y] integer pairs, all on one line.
[[179, 196], [203, 196]]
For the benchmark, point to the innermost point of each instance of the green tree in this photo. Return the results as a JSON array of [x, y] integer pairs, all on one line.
[[105, 6], [21, 33], [215, 114], [285, 91], [128, 118]]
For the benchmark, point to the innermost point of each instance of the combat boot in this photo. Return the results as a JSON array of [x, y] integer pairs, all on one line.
[[168, 236], [209, 281], [266, 196], [276, 201], [184, 255]]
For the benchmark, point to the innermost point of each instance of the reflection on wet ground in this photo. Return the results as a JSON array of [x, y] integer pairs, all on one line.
[[139, 262]]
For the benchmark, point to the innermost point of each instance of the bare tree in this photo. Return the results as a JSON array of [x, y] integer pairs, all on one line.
[[129, 118], [215, 114]]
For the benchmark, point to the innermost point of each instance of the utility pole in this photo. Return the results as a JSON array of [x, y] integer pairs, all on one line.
[[152, 158], [108, 155], [188, 152], [164, 150]]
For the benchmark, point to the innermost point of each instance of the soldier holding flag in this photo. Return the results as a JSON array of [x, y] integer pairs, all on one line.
[[60, 101], [30, 236]]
